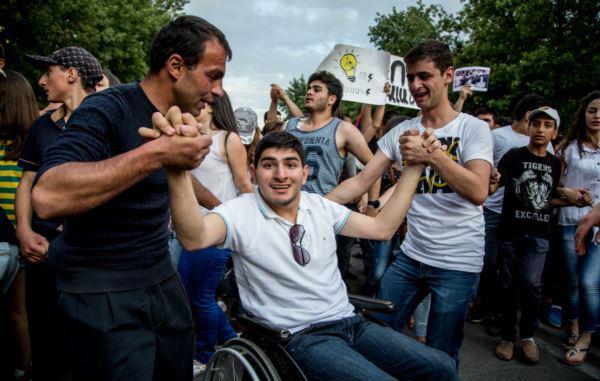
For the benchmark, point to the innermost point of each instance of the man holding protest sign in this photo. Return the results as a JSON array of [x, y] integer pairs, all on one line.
[[443, 250]]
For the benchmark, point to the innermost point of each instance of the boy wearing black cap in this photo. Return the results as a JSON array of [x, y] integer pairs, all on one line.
[[71, 74], [530, 175]]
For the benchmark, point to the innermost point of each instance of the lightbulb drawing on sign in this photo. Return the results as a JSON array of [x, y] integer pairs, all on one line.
[[348, 64]]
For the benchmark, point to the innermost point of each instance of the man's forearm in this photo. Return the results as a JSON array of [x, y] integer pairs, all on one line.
[[272, 112], [392, 215], [294, 109], [188, 221], [348, 190], [463, 181], [204, 197], [74, 188], [23, 209]]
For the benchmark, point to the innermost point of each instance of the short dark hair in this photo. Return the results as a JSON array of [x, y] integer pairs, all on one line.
[[186, 36], [529, 103], [278, 140], [267, 114], [334, 86], [272, 125], [2, 52], [486, 110], [435, 50]]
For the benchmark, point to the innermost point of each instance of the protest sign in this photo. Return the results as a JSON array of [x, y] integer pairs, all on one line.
[[476, 76], [363, 72], [399, 96]]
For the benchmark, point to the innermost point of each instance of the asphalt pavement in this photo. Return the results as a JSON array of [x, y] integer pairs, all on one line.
[[478, 361]]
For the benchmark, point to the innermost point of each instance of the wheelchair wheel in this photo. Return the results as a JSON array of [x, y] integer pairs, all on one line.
[[240, 360]]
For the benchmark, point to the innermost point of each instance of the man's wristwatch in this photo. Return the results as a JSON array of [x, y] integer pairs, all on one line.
[[375, 203]]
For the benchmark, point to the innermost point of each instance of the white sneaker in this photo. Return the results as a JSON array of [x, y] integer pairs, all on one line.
[[198, 368]]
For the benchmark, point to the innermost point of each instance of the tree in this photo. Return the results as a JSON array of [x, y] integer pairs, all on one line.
[[296, 90], [399, 31], [538, 46], [117, 32]]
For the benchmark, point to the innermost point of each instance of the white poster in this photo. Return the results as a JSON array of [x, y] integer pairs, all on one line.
[[476, 76], [363, 72], [399, 96]]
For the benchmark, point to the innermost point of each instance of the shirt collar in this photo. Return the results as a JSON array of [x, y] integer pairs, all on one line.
[[266, 210]]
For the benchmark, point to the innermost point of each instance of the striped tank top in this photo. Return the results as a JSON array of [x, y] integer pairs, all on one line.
[[10, 174], [322, 156]]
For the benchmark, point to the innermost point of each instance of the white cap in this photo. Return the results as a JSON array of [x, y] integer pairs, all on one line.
[[549, 111]]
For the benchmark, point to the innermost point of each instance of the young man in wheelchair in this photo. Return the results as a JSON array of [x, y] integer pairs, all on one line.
[[284, 253]]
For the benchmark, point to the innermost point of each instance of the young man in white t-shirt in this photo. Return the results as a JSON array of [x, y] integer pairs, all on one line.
[[443, 250], [283, 247]]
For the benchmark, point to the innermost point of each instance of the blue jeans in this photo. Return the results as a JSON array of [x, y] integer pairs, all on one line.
[[355, 349], [407, 282], [522, 261], [201, 272], [583, 274], [421, 316], [377, 256]]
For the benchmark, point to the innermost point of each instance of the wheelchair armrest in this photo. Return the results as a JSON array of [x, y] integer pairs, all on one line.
[[371, 304], [253, 326]]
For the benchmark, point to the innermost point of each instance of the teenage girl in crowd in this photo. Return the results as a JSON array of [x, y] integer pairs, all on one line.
[[580, 154]]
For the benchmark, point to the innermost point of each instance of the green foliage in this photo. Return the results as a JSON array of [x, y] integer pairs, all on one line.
[[549, 47], [538, 46], [399, 31], [117, 32], [296, 90]]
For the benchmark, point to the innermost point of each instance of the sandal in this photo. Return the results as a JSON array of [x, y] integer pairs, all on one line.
[[570, 341], [572, 352]]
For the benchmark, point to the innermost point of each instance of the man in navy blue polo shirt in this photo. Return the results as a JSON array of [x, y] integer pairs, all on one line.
[[125, 311], [70, 74]]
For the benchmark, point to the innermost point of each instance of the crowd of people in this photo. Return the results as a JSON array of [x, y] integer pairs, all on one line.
[[123, 206]]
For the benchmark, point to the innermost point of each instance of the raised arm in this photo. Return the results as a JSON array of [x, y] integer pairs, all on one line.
[[193, 230], [465, 91], [76, 187], [383, 226], [292, 107], [358, 185]]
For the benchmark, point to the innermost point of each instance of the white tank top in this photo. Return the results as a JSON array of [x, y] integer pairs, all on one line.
[[214, 173]]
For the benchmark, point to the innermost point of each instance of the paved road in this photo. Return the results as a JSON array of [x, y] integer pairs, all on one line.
[[479, 363]]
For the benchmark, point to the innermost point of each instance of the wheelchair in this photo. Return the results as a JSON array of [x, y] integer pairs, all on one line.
[[259, 353]]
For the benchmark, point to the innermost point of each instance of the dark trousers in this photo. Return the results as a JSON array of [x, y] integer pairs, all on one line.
[[522, 259], [486, 294], [144, 334], [46, 329]]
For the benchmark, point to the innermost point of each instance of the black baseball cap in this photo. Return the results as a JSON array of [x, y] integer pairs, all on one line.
[[88, 67]]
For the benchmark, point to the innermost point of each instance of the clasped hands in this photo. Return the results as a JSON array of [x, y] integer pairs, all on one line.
[[177, 140], [420, 148]]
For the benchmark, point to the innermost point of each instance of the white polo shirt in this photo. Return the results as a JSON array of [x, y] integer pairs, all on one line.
[[273, 287]]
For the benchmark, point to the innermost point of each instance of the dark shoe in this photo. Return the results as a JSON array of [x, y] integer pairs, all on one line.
[[477, 314], [493, 326], [530, 351], [505, 350]]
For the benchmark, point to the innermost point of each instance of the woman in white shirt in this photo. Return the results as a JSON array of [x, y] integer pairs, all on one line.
[[580, 154], [224, 173]]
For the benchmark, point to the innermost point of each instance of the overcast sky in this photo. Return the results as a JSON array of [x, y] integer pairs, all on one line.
[[274, 41]]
